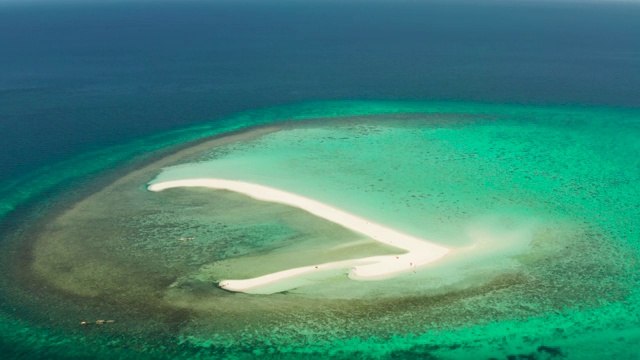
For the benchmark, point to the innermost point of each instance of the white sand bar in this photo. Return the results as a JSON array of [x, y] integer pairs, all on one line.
[[419, 251]]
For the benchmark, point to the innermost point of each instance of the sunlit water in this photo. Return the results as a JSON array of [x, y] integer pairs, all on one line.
[[541, 204]]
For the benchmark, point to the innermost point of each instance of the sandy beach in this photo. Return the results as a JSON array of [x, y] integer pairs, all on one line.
[[419, 252]]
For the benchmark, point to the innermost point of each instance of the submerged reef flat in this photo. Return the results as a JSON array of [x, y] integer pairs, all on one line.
[[533, 209]]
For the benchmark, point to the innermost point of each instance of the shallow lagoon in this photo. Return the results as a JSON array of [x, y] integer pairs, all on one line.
[[549, 193]]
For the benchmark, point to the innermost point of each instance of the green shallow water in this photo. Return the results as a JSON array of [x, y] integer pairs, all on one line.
[[548, 195]]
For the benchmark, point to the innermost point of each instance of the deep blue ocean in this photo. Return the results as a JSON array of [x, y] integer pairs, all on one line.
[[79, 76]]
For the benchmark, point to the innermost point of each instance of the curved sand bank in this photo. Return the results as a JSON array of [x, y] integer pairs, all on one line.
[[419, 251]]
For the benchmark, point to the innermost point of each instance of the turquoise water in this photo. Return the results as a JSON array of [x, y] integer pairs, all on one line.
[[563, 179]]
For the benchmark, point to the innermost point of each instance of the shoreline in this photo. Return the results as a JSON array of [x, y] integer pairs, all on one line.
[[420, 252]]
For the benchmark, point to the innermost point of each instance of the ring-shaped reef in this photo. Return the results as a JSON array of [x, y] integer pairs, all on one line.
[[538, 204]]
